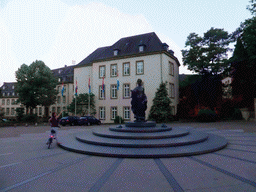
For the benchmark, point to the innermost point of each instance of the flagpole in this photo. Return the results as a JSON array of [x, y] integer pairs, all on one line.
[[75, 95], [89, 112]]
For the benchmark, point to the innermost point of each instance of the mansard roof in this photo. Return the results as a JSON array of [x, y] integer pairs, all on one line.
[[66, 74], [128, 46]]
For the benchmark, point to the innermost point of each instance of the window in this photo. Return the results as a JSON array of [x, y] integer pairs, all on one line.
[[36, 111], [113, 91], [102, 92], [116, 51], [126, 112], [7, 111], [102, 71], [3, 87], [126, 69], [171, 90], [102, 113], [3, 101], [113, 112], [12, 111], [139, 67], [58, 110], [8, 94], [3, 94], [53, 109], [171, 68], [59, 89], [127, 91], [141, 48], [13, 93], [64, 99], [113, 72], [58, 99], [13, 87], [8, 101], [13, 102], [40, 110]]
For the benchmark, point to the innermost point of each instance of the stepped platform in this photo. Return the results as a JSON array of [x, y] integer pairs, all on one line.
[[143, 142]]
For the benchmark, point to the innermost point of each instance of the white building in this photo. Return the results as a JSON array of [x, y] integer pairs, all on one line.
[[138, 57]]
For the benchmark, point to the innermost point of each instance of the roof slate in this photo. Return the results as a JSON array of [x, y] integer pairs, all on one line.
[[127, 46]]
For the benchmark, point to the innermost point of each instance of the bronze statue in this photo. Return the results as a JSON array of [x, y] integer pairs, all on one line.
[[139, 102]]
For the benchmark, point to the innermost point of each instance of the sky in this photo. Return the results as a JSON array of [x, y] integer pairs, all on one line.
[[61, 31]]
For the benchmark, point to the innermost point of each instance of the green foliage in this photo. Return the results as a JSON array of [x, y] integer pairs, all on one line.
[[30, 118], [207, 53], [237, 115], [118, 120], [36, 85], [161, 109], [82, 102], [252, 7], [20, 113], [206, 115]]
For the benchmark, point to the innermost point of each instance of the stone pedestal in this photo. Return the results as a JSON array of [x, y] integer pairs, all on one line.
[[141, 124]]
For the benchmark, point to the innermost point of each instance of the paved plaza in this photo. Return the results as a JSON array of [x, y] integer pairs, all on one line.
[[27, 165]]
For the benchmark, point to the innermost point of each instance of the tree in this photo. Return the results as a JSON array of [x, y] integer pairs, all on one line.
[[161, 109], [82, 103], [243, 63], [252, 7], [207, 53], [36, 85]]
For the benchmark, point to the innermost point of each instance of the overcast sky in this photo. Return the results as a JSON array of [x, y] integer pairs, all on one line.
[[59, 31]]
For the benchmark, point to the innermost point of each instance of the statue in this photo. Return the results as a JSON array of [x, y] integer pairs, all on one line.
[[139, 102]]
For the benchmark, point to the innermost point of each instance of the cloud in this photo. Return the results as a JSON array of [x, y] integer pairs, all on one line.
[[88, 27]]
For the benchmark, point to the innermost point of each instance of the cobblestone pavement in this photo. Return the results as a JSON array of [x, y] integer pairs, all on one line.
[[27, 165]]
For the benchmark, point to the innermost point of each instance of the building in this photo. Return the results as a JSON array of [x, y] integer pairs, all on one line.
[[8, 101], [137, 57], [65, 76]]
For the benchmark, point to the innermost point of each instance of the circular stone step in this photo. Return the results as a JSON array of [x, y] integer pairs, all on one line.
[[192, 138], [141, 130], [175, 132], [213, 143]]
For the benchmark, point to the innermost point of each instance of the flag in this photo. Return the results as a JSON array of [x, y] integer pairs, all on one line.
[[117, 82], [117, 85], [103, 86], [89, 85], [76, 89], [62, 89]]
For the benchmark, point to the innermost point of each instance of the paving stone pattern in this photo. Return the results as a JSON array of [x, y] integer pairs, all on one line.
[[27, 165]]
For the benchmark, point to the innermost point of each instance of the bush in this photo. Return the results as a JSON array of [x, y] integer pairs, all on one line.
[[206, 115], [30, 118], [118, 119], [237, 115]]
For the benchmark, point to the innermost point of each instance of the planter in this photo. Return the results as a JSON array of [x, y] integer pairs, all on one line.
[[245, 113]]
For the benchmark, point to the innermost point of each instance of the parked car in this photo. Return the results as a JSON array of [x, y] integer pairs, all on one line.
[[69, 120], [91, 120], [82, 121]]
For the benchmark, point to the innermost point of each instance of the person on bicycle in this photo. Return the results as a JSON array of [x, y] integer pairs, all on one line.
[[54, 123]]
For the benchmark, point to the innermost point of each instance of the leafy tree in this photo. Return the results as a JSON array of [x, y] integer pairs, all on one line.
[[243, 63], [161, 109], [36, 85], [82, 102], [252, 7], [207, 53]]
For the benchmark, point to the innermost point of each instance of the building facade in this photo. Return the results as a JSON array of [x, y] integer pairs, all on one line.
[[118, 67], [9, 96]]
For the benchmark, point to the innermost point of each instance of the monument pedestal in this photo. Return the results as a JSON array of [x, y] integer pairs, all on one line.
[[141, 124]]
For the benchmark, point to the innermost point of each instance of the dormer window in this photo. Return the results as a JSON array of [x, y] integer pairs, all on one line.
[[141, 48], [3, 87], [116, 51], [13, 87]]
